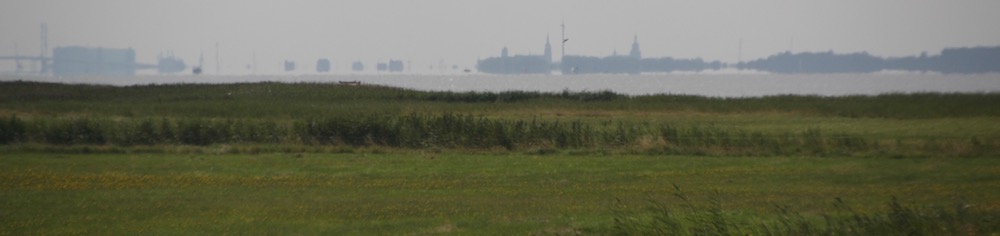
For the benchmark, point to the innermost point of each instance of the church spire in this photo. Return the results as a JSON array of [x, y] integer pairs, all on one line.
[[548, 49], [635, 53]]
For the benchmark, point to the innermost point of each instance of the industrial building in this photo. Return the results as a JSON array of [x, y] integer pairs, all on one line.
[[358, 66], [392, 66], [72, 61], [323, 65]]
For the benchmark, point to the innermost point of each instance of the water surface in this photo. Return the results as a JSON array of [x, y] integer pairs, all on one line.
[[715, 85]]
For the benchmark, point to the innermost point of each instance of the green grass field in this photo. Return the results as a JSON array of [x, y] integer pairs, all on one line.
[[273, 158], [411, 193]]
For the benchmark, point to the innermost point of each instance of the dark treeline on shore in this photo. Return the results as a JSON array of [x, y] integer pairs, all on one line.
[[951, 60]]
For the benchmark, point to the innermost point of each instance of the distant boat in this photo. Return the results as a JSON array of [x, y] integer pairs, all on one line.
[[350, 83], [201, 62]]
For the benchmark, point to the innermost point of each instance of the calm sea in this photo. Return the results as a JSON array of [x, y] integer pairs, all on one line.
[[716, 85]]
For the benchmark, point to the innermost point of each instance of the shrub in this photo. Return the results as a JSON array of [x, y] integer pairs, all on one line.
[[202, 132], [75, 131], [11, 130]]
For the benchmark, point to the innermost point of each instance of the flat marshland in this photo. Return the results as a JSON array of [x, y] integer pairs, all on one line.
[[316, 158]]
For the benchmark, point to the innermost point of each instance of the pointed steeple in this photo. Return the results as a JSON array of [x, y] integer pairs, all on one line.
[[548, 49], [635, 53]]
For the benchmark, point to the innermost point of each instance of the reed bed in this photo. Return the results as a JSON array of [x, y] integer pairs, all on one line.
[[455, 131], [293, 100]]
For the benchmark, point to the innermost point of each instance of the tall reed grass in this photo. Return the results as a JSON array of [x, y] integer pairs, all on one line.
[[686, 216], [378, 116], [317, 99], [458, 131]]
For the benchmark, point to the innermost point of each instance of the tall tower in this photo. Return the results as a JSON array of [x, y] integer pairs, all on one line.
[[635, 53], [563, 51], [45, 49], [739, 53], [503, 53], [17, 59], [548, 50], [217, 67]]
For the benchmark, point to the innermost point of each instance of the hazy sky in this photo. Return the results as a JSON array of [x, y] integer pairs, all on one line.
[[460, 31]]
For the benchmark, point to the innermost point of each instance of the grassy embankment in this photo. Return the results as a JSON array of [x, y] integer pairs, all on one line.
[[320, 158], [269, 117]]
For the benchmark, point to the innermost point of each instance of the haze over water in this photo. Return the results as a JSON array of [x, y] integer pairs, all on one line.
[[237, 38], [715, 85], [232, 34]]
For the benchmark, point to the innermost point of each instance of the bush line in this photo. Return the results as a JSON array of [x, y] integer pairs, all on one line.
[[218, 100], [456, 131]]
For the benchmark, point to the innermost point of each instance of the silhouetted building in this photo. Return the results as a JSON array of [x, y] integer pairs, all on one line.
[[396, 66], [391, 66], [613, 64], [548, 50], [289, 65], [358, 66], [518, 64], [167, 64], [667, 64], [323, 65], [635, 53], [597, 65], [73, 61]]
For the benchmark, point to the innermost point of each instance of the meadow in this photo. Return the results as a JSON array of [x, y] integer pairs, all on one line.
[[317, 158]]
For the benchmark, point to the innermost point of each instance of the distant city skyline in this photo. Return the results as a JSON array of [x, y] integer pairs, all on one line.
[[426, 33]]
